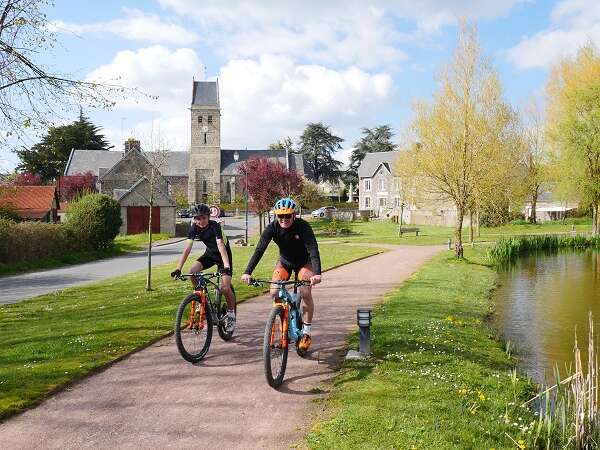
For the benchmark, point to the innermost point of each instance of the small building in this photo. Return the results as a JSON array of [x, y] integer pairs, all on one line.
[[548, 207], [32, 202]]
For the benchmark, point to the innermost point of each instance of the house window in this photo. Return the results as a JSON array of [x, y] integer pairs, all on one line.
[[382, 184], [397, 202], [382, 201], [209, 119], [199, 119], [396, 184], [204, 185], [367, 202], [367, 185]]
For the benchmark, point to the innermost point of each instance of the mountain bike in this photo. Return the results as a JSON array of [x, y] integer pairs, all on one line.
[[284, 325], [196, 315]]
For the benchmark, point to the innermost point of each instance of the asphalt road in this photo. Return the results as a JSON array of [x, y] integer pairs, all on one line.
[[16, 288]]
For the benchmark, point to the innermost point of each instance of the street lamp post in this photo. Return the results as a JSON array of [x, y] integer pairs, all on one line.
[[236, 157]]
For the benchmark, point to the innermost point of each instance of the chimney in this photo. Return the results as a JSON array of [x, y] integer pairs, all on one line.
[[132, 144]]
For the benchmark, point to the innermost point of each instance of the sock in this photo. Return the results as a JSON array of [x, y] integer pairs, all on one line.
[[306, 328], [231, 313]]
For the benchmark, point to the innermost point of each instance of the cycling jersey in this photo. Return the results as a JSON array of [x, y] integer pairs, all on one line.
[[209, 235], [297, 245]]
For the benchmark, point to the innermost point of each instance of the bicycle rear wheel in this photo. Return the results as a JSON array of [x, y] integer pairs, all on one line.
[[275, 348], [193, 328], [225, 335]]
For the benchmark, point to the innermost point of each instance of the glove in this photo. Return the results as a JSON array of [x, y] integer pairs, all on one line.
[[225, 271], [176, 273]]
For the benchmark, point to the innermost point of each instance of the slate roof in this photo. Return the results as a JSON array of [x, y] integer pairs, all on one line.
[[206, 93], [81, 161], [30, 202], [125, 192], [372, 161]]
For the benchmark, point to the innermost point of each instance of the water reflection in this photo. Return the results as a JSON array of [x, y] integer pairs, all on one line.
[[540, 301]]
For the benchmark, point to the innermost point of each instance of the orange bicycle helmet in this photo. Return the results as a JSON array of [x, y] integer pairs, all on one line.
[[285, 206]]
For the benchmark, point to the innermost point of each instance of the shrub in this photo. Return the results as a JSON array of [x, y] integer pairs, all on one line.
[[335, 228], [6, 212], [95, 220]]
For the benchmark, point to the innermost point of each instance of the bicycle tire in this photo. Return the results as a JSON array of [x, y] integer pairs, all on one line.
[[187, 335], [224, 334], [274, 323]]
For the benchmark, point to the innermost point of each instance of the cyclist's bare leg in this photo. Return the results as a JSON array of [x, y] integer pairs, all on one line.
[[196, 267], [308, 306], [279, 274], [227, 291]]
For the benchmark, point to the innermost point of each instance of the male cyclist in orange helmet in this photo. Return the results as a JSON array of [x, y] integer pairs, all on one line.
[[298, 251]]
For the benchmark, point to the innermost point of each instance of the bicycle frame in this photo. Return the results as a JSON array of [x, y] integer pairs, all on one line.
[[203, 293]]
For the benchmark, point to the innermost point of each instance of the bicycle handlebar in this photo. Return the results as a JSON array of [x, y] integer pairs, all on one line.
[[206, 276], [256, 282]]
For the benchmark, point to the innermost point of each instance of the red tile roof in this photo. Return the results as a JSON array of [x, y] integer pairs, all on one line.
[[29, 201]]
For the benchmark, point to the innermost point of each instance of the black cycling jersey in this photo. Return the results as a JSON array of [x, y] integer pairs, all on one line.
[[297, 245], [209, 236]]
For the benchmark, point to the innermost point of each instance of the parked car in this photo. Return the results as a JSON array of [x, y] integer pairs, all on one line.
[[183, 213], [323, 211]]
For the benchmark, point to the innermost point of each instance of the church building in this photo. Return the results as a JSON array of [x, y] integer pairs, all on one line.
[[206, 172]]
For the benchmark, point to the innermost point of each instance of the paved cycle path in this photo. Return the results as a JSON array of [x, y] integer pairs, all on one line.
[[155, 399]]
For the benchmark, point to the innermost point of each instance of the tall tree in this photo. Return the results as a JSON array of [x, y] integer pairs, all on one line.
[[574, 125], [378, 139], [318, 145], [462, 134], [285, 144], [49, 157], [268, 181], [30, 94]]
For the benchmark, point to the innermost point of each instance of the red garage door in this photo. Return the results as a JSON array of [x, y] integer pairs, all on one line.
[[137, 219]]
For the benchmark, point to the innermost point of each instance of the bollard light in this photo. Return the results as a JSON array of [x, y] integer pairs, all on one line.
[[363, 318]]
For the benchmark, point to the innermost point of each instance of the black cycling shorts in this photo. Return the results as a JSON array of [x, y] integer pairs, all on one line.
[[208, 260]]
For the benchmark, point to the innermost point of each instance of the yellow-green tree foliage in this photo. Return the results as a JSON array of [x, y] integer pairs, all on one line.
[[574, 125], [466, 137]]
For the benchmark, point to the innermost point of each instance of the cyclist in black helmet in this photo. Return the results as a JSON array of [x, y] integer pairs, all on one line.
[[298, 251], [217, 252]]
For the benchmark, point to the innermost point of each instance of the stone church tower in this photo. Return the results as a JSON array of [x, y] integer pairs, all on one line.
[[205, 151]]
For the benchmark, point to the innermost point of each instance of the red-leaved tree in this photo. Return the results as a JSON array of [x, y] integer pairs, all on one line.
[[73, 185], [27, 179], [268, 181]]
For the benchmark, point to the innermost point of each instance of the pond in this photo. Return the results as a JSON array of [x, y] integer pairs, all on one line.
[[541, 299]]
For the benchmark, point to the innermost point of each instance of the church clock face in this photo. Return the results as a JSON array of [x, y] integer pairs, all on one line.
[[204, 128]]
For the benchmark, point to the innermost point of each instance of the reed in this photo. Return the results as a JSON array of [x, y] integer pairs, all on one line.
[[508, 249], [568, 415]]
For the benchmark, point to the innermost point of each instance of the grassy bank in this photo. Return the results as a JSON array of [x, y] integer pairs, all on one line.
[[385, 231], [508, 249], [121, 245], [438, 377], [53, 339]]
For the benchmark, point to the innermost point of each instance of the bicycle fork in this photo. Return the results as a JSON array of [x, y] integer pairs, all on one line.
[[283, 340], [202, 307]]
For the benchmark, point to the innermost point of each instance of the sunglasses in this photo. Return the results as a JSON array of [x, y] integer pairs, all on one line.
[[284, 216]]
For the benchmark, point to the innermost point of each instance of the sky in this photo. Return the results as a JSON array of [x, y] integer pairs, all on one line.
[[282, 64]]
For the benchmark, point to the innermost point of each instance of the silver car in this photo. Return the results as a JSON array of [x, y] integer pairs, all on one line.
[[323, 211]]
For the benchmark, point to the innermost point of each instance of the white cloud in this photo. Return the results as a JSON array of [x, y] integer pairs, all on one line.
[[156, 71], [339, 32], [574, 23], [261, 100], [270, 98], [137, 26]]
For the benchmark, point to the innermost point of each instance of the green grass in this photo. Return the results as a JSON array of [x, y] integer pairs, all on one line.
[[53, 339], [438, 378], [121, 245], [386, 232]]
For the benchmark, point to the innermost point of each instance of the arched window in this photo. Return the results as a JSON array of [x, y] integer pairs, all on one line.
[[204, 185]]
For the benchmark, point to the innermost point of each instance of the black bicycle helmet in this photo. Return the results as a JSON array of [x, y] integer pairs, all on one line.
[[201, 209]]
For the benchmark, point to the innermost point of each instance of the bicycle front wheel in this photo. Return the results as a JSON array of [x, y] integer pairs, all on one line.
[[193, 328], [275, 348]]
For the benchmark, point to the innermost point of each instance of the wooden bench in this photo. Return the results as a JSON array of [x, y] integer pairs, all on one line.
[[403, 230]]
